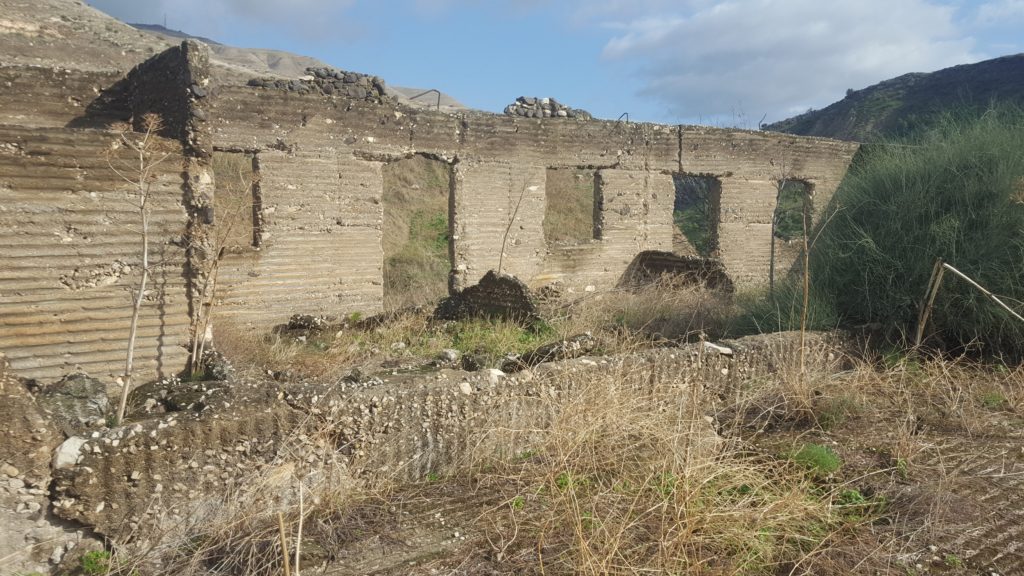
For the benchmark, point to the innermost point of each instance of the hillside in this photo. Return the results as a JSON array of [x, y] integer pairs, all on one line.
[[904, 104], [262, 62], [71, 35]]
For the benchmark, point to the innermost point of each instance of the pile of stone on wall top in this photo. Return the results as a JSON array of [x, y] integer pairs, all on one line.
[[330, 82], [530, 107]]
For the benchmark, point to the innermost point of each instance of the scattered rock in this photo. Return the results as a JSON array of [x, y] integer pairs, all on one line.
[[282, 375], [572, 347], [68, 452], [448, 358], [216, 367], [307, 322], [717, 348], [473, 362], [494, 375], [174, 395], [355, 376]]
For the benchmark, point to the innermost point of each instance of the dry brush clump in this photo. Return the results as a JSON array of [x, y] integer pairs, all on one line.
[[624, 482], [658, 311]]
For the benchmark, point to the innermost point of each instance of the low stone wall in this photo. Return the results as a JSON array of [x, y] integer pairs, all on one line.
[[32, 540], [330, 82]]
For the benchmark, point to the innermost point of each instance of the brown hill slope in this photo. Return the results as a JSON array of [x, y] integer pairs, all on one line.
[[70, 34]]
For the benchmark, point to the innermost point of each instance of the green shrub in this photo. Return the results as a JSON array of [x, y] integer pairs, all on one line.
[[819, 460], [956, 193], [95, 562], [780, 310], [993, 400]]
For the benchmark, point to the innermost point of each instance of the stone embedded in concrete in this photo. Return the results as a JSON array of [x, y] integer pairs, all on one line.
[[76, 403]]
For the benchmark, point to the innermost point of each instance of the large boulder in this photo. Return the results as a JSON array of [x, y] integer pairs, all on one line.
[[495, 296]]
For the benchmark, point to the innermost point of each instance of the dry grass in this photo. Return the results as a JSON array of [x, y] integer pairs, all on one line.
[[621, 321], [658, 311], [626, 481]]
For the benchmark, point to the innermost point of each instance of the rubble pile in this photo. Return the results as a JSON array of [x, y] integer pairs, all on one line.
[[530, 107]]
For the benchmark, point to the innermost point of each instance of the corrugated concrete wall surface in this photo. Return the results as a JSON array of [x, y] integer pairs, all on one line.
[[70, 254]]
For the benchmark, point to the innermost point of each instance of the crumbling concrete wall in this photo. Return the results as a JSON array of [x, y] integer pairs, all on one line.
[[750, 166], [54, 98], [71, 224], [318, 219], [498, 191], [159, 472], [319, 247]]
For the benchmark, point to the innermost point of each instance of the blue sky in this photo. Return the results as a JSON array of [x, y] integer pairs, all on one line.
[[729, 62]]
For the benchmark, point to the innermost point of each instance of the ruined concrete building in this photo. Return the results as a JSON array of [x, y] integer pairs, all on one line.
[[306, 232]]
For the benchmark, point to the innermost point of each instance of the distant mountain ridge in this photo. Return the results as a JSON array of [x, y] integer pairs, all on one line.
[[905, 104], [170, 32]]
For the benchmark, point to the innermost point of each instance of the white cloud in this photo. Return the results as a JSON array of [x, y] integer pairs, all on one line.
[[712, 60], [1000, 13]]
